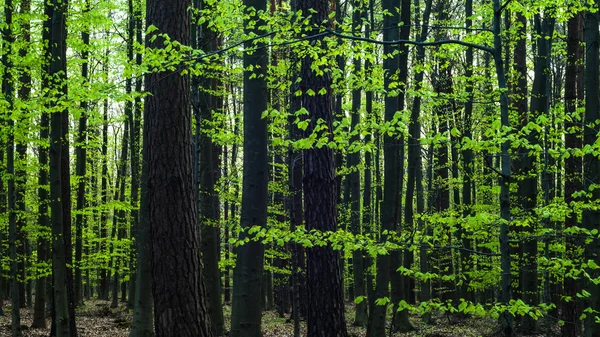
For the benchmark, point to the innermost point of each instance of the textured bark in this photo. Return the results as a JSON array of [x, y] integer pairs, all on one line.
[[247, 274], [326, 314], [179, 295]]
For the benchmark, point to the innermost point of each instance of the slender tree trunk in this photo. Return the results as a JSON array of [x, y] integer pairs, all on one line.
[[507, 319], [39, 315], [8, 93], [414, 155], [134, 143], [389, 208], [204, 102], [573, 169], [467, 154], [80, 150], [142, 306], [119, 215], [361, 316]]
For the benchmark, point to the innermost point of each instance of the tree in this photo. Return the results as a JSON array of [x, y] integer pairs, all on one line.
[[248, 271], [8, 93], [389, 213], [326, 314], [591, 164], [204, 103], [178, 291], [361, 317]]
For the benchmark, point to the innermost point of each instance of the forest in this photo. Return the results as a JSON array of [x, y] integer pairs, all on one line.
[[318, 168]]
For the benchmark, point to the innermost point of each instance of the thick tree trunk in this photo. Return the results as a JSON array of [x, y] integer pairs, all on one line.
[[57, 73], [179, 295], [326, 314]]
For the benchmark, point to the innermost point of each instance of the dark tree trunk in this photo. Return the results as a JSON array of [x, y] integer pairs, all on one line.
[[204, 102], [414, 175], [39, 314], [248, 271], [8, 93], [505, 262], [389, 208], [573, 170], [179, 295], [142, 306], [591, 165], [465, 256], [326, 314], [361, 317], [80, 150], [403, 283], [57, 73], [134, 143]]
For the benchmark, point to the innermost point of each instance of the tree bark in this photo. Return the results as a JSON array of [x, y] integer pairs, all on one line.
[[326, 314], [248, 271], [389, 208], [573, 169], [591, 165], [179, 295]]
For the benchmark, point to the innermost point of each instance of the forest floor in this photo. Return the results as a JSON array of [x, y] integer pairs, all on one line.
[[97, 319]]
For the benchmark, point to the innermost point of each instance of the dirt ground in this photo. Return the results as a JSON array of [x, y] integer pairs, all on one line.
[[97, 319]]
